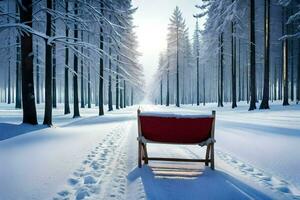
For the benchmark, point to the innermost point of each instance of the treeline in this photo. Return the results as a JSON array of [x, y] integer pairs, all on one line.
[[247, 51], [83, 52]]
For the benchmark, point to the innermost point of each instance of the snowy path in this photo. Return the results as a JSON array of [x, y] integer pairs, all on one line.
[[96, 158]]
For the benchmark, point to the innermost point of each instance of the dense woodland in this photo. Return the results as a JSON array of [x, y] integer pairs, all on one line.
[[75, 52], [247, 51], [83, 53]]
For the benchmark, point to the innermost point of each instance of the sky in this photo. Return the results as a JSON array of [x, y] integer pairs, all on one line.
[[152, 19]]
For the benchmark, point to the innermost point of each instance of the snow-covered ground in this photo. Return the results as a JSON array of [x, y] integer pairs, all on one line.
[[257, 157]]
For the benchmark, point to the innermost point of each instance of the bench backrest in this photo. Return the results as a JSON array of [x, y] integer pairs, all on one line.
[[176, 130]]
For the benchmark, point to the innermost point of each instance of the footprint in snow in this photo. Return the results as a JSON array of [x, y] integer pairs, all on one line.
[[73, 181], [89, 180], [82, 193]]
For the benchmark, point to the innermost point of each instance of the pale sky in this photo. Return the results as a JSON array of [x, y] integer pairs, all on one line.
[[152, 19]]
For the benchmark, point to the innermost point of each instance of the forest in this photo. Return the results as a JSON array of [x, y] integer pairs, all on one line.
[[247, 51], [71, 52]]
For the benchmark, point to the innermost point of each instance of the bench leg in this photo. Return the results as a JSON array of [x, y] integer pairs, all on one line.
[[145, 153], [207, 155], [212, 157], [139, 154]]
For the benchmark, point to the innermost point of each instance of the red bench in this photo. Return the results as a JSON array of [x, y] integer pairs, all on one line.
[[175, 129]]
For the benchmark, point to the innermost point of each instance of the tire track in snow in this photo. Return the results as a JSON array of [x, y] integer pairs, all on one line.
[[103, 173]]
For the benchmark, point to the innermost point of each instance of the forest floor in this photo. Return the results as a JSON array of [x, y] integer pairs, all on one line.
[[257, 157]]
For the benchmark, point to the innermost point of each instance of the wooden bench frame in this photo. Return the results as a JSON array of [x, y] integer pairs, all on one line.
[[209, 156]]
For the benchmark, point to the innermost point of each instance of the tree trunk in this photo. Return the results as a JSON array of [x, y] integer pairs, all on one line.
[[298, 76], [66, 85], [82, 104], [285, 65], [89, 87], [168, 87], [75, 74], [121, 98], [204, 95], [48, 71], [252, 57], [265, 101], [220, 98], [292, 52], [240, 85], [28, 97], [54, 97], [177, 70], [18, 76], [131, 96], [18, 68], [275, 83], [233, 63], [37, 68], [101, 109], [110, 104], [161, 92], [198, 85], [124, 97], [117, 85], [8, 73], [8, 81]]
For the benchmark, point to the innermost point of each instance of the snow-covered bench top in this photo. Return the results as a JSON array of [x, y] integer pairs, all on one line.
[[174, 115]]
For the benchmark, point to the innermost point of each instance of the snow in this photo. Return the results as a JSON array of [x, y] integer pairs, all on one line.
[[96, 157], [173, 115]]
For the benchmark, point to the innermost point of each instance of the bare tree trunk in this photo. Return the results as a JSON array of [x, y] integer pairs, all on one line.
[[89, 84], [221, 71], [121, 98], [28, 97], [298, 76], [48, 71], [168, 87], [252, 57], [124, 98], [285, 65], [75, 74], [117, 85], [82, 103], [275, 83], [161, 92], [197, 81], [233, 63], [66, 85], [8, 73], [37, 68], [265, 101], [54, 97], [18, 76], [240, 85], [18, 67], [101, 85], [131, 96], [110, 104], [177, 70], [8, 84]]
